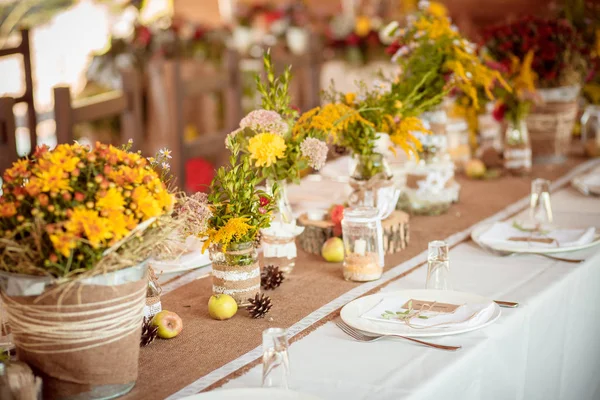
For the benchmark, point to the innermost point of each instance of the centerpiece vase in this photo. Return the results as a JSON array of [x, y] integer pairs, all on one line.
[[74, 359], [371, 183], [235, 271], [550, 123], [517, 148], [279, 240]]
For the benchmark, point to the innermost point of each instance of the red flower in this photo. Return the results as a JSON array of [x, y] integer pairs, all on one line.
[[353, 39], [499, 112], [264, 201], [143, 36], [393, 48]]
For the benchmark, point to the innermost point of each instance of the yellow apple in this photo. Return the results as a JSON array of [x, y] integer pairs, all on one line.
[[169, 324], [475, 169], [222, 306], [333, 250]]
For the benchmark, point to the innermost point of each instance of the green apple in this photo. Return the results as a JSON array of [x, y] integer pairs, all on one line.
[[333, 250], [169, 324], [222, 306]]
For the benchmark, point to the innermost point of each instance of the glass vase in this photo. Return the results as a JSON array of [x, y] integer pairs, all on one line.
[[363, 244], [235, 271], [590, 130], [430, 187], [517, 148], [371, 183], [279, 240]]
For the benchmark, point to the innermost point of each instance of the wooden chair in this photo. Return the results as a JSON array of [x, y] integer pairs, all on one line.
[[8, 145], [305, 88], [127, 103], [24, 50], [174, 84]]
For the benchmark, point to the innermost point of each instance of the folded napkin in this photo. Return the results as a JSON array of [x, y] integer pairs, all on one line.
[[466, 315], [591, 182], [501, 233]]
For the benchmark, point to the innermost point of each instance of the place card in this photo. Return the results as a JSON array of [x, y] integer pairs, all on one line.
[[530, 239], [435, 306]]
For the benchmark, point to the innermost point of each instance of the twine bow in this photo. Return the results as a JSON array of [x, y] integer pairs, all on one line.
[[361, 188]]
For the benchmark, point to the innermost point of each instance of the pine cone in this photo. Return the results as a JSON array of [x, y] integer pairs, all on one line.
[[259, 306], [271, 277], [149, 332]]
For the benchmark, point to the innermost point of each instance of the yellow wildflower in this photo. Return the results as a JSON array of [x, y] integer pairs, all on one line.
[[349, 98], [362, 26], [53, 180], [524, 82], [266, 148], [235, 228], [437, 9], [111, 200], [402, 136], [63, 243]]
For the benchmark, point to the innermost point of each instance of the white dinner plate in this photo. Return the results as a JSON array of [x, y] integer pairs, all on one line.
[[251, 394], [351, 313], [185, 262], [477, 232]]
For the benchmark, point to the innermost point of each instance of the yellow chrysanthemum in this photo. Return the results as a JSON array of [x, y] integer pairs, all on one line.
[[7, 210], [121, 224], [63, 243], [363, 26], [110, 201], [19, 169], [146, 203], [165, 199], [61, 159], [53, 180], [266, 148], [89, 224]]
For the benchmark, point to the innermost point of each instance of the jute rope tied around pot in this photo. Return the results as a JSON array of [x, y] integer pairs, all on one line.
[[50, 329]]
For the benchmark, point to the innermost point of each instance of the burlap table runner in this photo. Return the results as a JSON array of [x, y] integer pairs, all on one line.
[[206, 344]]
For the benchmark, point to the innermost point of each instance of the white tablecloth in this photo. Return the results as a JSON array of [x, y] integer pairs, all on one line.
[[548, 348]]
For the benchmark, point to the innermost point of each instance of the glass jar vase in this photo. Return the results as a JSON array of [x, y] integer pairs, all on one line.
[[517, 148], [235, 271], [430, 186], [363, 244], [372, 184]]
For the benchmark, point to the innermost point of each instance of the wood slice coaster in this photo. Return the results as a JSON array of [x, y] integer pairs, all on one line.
[[395, 233]]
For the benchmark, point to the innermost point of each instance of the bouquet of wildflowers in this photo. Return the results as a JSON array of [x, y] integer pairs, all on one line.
[[558, 55], [429, 42], [278, 150], [238, 209], [78, 210]]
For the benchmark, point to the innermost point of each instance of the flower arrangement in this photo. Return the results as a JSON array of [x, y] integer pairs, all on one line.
[[357, 40], [269, 135], [558, 55], [77, 210], [238, 209], [163, 38], [514, 104], [430, 42]]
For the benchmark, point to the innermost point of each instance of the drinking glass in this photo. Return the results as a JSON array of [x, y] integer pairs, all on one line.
[[276, 363], [438, 266], [540, 209]]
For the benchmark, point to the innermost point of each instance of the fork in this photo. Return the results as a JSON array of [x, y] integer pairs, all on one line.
[[502, 253], [361, 337]]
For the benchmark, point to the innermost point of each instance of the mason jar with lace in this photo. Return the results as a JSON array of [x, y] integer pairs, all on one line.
[[235, 271], [430, 186], [371, 183], [363, 244]]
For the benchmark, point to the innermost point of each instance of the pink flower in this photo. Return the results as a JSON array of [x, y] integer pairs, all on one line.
[[264, 121], [315, 151], [262, 210]]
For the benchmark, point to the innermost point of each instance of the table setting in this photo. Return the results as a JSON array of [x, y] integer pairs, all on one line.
[[299, 277]]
